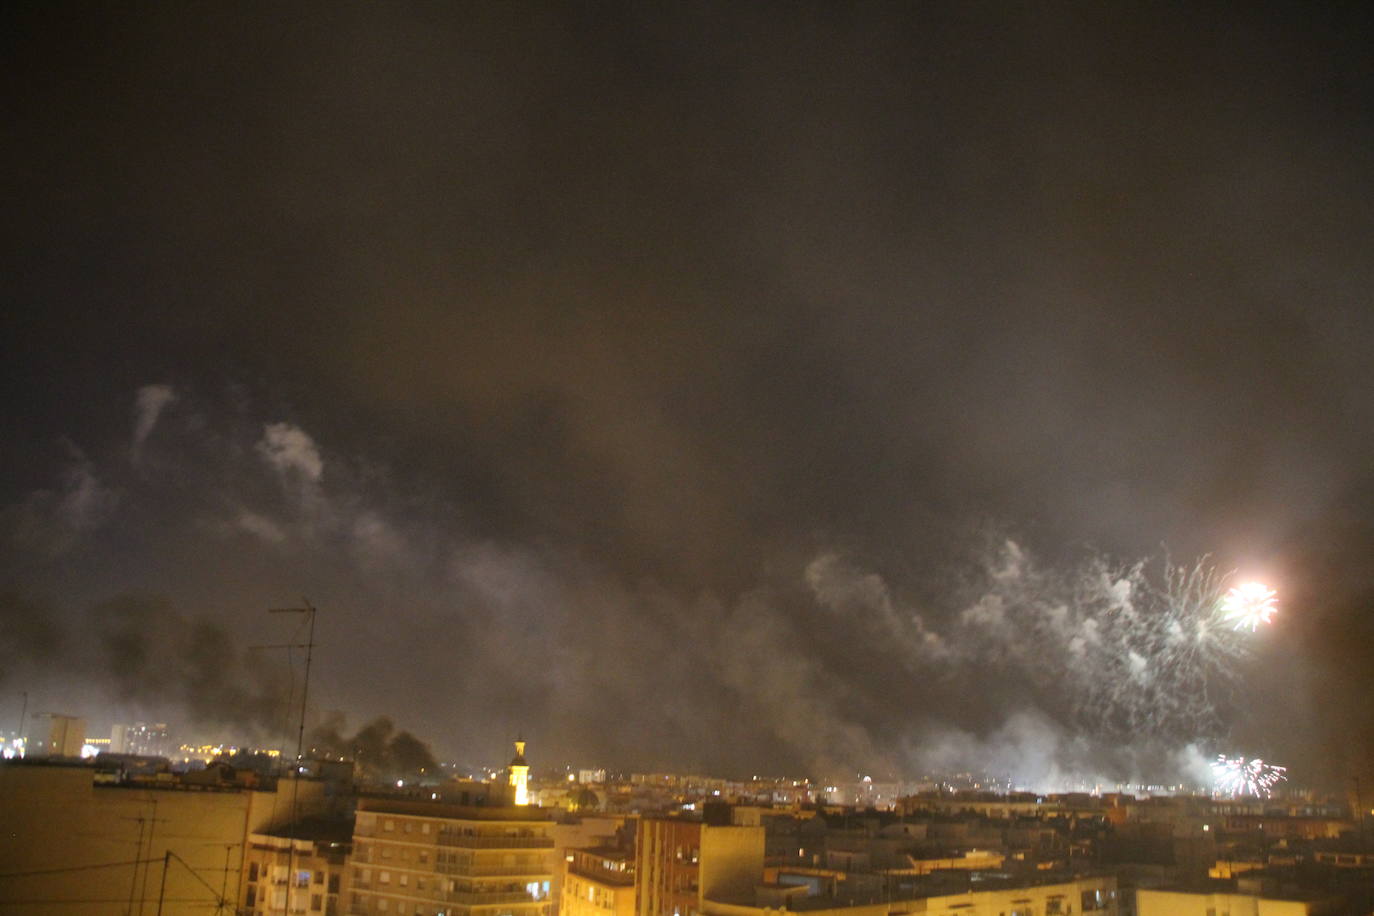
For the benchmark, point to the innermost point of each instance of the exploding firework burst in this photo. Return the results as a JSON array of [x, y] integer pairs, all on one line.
[[1164, 658], [1141, 650], [1247, 606], [1237, 776]]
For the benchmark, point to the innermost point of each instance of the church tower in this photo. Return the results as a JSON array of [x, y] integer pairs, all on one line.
[[520, 775]]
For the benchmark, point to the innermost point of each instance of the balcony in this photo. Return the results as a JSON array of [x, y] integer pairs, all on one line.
[[518, 870], [604, 876], [498, 898], [496, 842]]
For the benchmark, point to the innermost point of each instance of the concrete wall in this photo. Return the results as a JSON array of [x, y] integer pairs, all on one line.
[[56, 818], [1180, 903], [731, 862]]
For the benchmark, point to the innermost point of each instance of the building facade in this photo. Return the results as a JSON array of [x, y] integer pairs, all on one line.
[[296, 869], [73, 845], [677, 862], [434, 859], [667, 863], [598, 882], [1204, 903], [52, 734]]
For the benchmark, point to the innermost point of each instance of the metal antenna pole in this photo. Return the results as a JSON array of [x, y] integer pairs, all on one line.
[[308, 610], [224, 882], [138, 854], [152, 830], [162, 891]]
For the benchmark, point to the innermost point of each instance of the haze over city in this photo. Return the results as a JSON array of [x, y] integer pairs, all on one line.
[[698, 389]]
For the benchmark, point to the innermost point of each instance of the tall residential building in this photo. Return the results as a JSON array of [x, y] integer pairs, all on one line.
[[52, 734], [520, 775], [678, 862], [599, 881], [667, 853], [144, 739], [570, 834], [297, 868], [433, 859]]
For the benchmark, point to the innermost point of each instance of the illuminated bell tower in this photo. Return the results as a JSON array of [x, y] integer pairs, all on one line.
[[520, 775]]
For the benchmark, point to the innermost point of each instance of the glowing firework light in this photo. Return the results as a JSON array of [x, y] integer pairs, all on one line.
[[1164, 652], [1247, 606], [1237, 776]]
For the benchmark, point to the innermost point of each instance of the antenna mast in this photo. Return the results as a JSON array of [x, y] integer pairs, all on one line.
[[309, 647]]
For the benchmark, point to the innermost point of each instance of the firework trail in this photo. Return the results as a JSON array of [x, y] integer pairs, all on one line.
[[1237, 777]]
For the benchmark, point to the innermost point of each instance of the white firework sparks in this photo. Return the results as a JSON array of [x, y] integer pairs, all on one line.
[[1236, 776], [1139, 650], [1247, 606]]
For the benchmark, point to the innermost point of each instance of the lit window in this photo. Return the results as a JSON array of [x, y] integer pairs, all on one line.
[[424, 828], [389, 826]]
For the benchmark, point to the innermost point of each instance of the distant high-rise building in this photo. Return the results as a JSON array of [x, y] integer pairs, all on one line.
[[52, 734], [144, 739]]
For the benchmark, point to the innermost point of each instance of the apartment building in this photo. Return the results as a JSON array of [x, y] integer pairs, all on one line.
[[297, 869], [418, 858], [678, 861], [667, 861], [598, 882]]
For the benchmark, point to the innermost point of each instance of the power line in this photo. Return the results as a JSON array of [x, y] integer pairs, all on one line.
[[67, 901], [195, 874], [73, 868]]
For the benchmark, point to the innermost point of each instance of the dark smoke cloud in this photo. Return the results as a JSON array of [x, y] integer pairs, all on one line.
[[379, 752], [29, 632], [155, 656], [638, 378]]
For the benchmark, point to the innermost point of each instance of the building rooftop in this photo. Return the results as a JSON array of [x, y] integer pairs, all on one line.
[[607, 852], [1253, 884], [938, 884], [421, 808]]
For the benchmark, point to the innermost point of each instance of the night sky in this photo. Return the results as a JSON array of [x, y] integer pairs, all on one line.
[[672, 383]]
